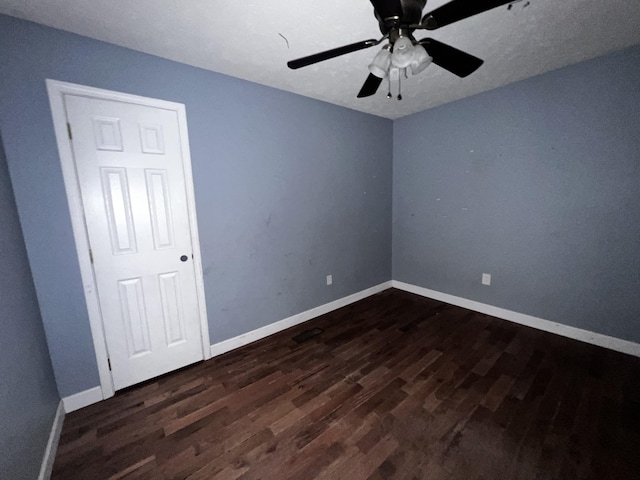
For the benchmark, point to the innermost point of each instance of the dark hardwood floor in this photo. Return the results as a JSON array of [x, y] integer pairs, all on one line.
[[396, 387]]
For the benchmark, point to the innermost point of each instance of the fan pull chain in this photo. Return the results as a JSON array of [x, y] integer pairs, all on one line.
[[399, 87], [389, 84]]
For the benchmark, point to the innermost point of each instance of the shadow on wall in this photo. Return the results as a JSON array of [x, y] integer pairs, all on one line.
[[28, 394]]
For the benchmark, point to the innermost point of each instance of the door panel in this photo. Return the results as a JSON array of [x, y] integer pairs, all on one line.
[[160, 205], [129, 164]]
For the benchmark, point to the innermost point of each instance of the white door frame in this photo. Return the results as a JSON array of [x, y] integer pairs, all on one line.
[[57, 90]]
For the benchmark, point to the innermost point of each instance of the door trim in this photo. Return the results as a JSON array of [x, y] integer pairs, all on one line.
[[56, 90]]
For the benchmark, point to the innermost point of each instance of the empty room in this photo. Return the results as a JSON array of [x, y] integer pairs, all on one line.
[[385, 239]]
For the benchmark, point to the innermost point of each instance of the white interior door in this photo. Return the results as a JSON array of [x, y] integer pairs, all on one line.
[[130, 172]]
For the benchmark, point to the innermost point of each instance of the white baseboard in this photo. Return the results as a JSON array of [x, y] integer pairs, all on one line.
[[594, 338], [52, 445], [82, 399], [94, 395], [262, 332]]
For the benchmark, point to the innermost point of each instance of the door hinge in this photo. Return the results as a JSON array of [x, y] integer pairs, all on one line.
[[69, 131], [109, 362], [91, 256]]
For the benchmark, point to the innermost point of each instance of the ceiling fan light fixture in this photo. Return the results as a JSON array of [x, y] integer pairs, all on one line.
[[421, 59], [402, 55], [398, 19], [381, 62]]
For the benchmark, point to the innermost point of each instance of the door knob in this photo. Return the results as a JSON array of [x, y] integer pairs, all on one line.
[[184, 258]]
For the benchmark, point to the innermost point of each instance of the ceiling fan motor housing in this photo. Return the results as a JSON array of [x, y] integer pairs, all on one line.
[[405, 12]]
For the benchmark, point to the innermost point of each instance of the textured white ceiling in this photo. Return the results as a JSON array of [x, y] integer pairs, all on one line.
[[253, 40]]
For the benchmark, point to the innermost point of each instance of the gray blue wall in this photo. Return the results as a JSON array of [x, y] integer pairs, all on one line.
[[536, 183], [288, 189], [28, 395]]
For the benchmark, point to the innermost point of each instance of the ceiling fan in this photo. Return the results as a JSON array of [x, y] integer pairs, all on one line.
[[398, 19]]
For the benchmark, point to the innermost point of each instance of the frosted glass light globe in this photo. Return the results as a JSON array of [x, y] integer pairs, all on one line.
[[402, 53]]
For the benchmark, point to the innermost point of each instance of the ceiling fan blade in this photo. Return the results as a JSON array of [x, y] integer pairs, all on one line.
[[370, 86], [456, 61], [336, 52], [387, 8], [457, 10]]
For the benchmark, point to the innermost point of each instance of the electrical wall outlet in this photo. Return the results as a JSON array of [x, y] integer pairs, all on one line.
[[329, 279], [486, 279]]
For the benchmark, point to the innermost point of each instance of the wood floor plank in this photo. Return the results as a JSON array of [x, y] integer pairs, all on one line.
[[396, 387]]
